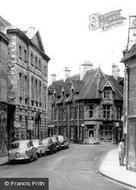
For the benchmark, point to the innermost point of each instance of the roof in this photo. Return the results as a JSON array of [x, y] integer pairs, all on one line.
[[89, 88], [71, 82], [129, 54]]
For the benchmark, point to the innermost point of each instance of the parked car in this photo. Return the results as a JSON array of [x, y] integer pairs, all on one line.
[[40, 147], [56, 141], [64, 141], [50, 146], [22, 150]]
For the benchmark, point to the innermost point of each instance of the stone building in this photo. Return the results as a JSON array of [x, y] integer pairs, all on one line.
[[86, 107], [129, 59], [3, 93], [28, 78]]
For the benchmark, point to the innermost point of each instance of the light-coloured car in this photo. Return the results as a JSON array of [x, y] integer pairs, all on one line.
[[22, 150], [64, 141], [40, 147]]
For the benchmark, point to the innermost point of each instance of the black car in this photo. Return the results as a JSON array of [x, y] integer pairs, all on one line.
[[56, 142], [50, 146]]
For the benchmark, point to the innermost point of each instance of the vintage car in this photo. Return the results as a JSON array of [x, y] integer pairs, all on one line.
[[50, 146], [22, 150], [40, 147], [64, 141], [56, 142]]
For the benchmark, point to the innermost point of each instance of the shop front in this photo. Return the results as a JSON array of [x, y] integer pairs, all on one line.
[[106, 132]]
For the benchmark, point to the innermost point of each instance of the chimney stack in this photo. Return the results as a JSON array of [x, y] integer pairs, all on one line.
[[86, 66], [66, 73], [53, 77], [115, 71]]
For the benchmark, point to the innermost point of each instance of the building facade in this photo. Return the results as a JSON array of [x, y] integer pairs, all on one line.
[[87, 108], [3, 93], [27, 73], [129, 124]]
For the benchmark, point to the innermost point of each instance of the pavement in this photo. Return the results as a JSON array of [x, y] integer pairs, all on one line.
[[110, 168]]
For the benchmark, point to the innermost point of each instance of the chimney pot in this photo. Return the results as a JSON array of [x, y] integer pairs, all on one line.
[[86, 66]]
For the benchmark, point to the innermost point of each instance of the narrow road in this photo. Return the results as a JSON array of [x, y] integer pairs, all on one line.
[[73, 169]]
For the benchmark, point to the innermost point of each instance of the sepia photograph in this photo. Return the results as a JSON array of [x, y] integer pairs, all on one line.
[[67, 95]]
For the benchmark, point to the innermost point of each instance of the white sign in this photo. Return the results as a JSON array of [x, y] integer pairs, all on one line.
[[30, 124]]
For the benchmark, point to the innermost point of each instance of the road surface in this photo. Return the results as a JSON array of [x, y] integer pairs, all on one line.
[[73, 169]]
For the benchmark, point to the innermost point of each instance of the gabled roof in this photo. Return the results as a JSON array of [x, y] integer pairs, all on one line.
[[34, 35], [37, 41], [118, 89]]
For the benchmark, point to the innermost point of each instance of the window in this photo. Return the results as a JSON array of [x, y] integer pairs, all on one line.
[[119, 112], [32, 59], [106, 111], [45, 93], [36, 89], [45, 72], [20, 119], [40, 91], [26, 121], [20, 85], [36, 65], [25, 55], [20, 52], [32, 87], [81, 111], [40, 65], [91, 109], [76, 111], [25, 85], [64, 113], [107, 94], [55, 113], [71, 112]]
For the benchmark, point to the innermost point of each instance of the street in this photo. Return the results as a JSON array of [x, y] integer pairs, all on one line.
[[73, 169]]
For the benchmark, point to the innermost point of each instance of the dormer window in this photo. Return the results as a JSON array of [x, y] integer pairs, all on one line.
[[107, 94]]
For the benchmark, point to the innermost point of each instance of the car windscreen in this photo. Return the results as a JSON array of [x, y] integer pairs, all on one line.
[[14, 145]]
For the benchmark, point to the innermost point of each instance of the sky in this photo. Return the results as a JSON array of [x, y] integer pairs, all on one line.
[[64, 29]]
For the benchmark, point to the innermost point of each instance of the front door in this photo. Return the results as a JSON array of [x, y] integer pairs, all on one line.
[[90, 133]]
